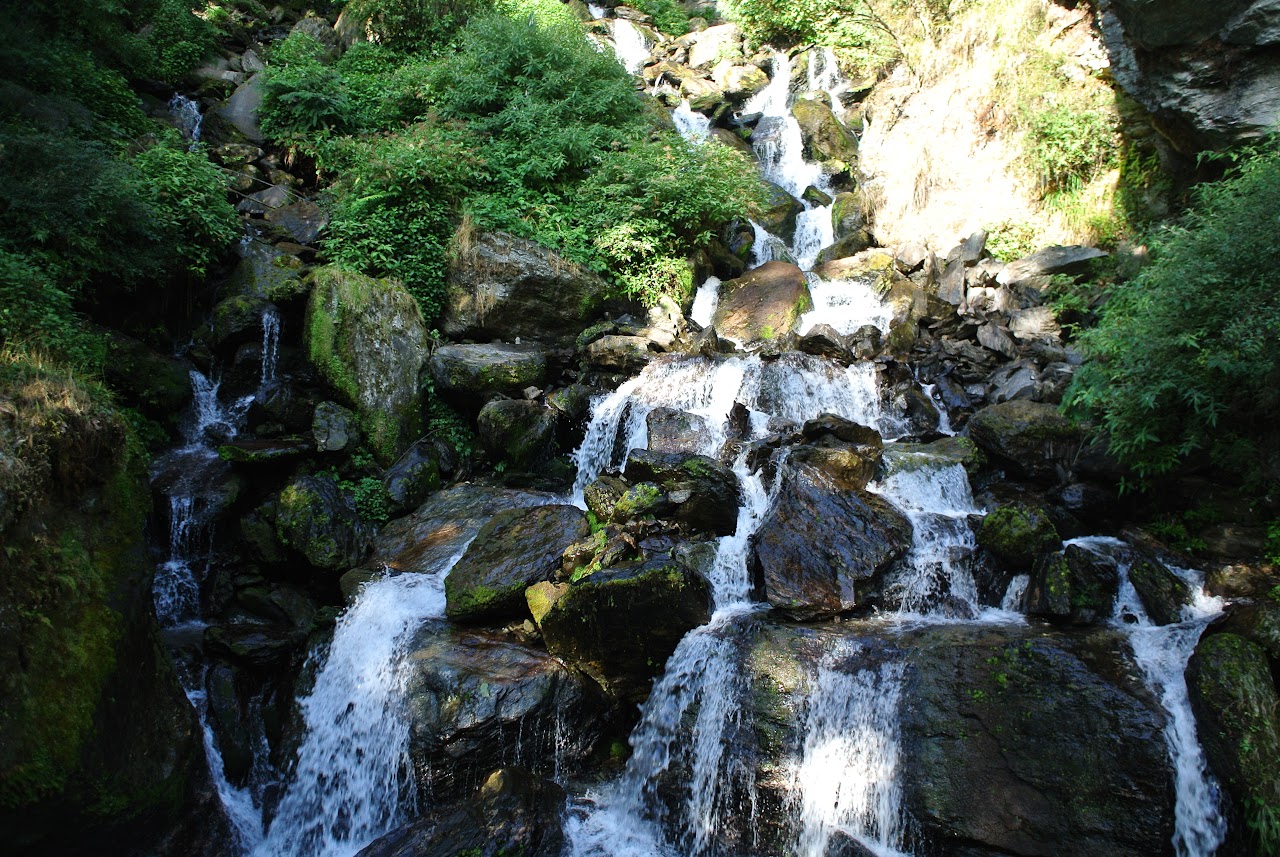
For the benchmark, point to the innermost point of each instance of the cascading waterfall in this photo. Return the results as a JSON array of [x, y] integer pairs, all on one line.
[[935, 497], [270, 345], [847, 776], [693, 126], [825, 76], [630, 45], [1162, 652], [353, 780], [186, 115], [705, 302], [846, 305]]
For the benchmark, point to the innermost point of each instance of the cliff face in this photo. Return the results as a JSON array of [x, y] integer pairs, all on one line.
[[96, 738], [1209, 73]]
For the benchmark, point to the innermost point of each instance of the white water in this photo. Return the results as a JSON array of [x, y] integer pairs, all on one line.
[[353, 780], [1015, 595], [825, 76], [937, 501], [630, 45], [706, 301], [779, 145], [846, 305], [270, 344], [693, 126], [1161, 652], [186, 115], [847, 779]]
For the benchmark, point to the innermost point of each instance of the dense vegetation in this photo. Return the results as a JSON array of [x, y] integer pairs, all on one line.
[[1186, 356]]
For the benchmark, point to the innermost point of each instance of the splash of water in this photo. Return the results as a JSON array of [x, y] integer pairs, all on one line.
[[186, 115], [847, 304], [706, 301], [270, 345], [693, 126], [630, 45]]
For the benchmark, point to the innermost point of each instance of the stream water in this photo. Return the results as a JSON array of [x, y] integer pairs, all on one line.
[[684, 791]]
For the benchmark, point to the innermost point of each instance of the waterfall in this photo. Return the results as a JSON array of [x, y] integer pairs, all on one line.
[[693, 126], [937, 501], [630, 45], [847, 777], [847, 304], [780, 147], [705, 302], [270, 344], [825, 76], [353, 780], [186, 115], [1162, 652]]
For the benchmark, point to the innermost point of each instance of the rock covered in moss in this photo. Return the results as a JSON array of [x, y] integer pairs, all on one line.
[[497, 367], [315, 520], [416, 473], [620, 624], [1031, 436], [825, 138], [519, 432], [1235, 701], [334, 428], [780, 213], [515, 549], [1163, 593], [237, 320], [1017, 535], [1073, 585], [704, 493], [504, 287], [825, 543]]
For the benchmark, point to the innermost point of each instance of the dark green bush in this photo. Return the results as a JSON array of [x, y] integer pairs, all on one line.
[[1067, 146], [301, 94], [1186, 356], [669, 16]]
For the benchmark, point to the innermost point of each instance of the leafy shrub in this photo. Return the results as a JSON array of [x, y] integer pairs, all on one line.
[[36, 314], [414, 25], [669, 16], [1067, 147], [1186, 356], [301, 94]]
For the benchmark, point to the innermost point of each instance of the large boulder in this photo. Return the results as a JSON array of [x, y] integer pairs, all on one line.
[[1032, 437], [1163, 593], [825, 543], [620, 624], [477, 370], [367, 339], [515, 549], [240, 111], [671, 430], [504, 287], [1017, 535], [315, 520], [705, 493], [519, 432], [780, 213], [825, 138], [511, 813], [478, 701], [1161, 23], [1073, 585], [764, 304], [1234, 698]]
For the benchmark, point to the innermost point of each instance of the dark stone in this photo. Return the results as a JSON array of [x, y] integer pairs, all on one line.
[[415, 474], [824, 543], [494, 368], [1031, 436], [672, 431], [780, 213], [315, 520], [705, 492], [823, 340], [1017, 535], [253, 645], [1073, 585], [515, 549], [1163, 593], [517, 431]]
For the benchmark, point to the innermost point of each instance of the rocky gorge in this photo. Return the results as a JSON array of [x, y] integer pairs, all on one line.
[[807, 563]]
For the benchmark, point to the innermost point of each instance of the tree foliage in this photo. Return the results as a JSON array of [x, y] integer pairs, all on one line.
[[1186, 357]]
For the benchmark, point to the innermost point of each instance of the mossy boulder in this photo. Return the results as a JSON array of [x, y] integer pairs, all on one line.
[[780, 213], [1073, 585], [1163, 593], [367, 339], [314, 519], [98, 744], [514, 550], [519, 432], [619, 625], [1031, 437], [704, 493], [477, 370], [1017, 535], [237, 320], [416, 474], [265, 272], [156, 384], [825, 138], [1234, 698], [334, 428], [764, 304]]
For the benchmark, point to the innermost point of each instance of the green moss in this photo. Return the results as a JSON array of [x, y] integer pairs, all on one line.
[[638, 501], [1018, 534]]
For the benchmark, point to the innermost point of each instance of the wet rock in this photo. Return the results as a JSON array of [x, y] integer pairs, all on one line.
[[1032, 437], [253, 645], [264, 451], [705, 493], [672, 431], [764, 304], [780, 213], [1163, 593], [417, 473], [619, 625], [477, 702], [1017, 535], [493, 368], [517, 431], [265, 272], [515, 549], [237, 320], [1259, 623], [228, 719], [823, 340], [504, 287], [824, 543], [1235, 703], [1073, 585], [602, 496], [315, 520], [624, 354], [825, 138], [334, 428], [511, 813], [304, 220], [369, 342]]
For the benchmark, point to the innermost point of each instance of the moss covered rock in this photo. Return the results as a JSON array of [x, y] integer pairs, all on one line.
[[764, 304], [515, 549], [477, 370], [701, 493], [1032, 437], [519, 432], [369, 342], [1163, 593], [1073, 585], [825, 138], [1017, 535], [314, 519]]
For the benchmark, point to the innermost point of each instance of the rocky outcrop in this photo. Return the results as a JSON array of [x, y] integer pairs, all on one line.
[[765, 304], [476, 370], [1031, 437], [1017, 535], [515, 549], [519, 432], [1208, 74], [504, 287], [367, 339]]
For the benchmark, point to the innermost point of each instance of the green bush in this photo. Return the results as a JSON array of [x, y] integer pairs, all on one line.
[[1186, 356], [301, 94], [669, 16], [1067, 147]]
